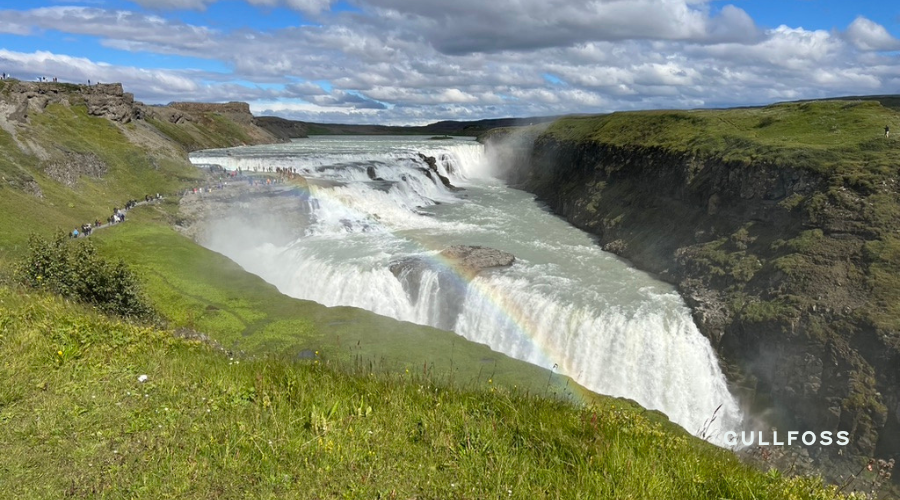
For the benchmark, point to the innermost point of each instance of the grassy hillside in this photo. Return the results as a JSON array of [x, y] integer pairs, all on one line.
[[282, 398], [843, 137], [61, 138], [76, 421]]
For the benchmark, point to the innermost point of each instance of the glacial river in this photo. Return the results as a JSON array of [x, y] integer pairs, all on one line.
[[564, 304]]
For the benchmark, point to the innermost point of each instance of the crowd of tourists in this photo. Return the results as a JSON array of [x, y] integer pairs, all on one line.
[[117, 216]]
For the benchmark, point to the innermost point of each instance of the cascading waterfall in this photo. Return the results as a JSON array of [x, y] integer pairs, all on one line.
[[564, 304]]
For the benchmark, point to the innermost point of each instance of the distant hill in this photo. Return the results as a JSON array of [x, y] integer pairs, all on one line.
[[291, 129]]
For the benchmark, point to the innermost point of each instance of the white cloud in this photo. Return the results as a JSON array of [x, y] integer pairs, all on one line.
[[406, 61], [306, 6], [175, 4], [465, 26], [869, 35]]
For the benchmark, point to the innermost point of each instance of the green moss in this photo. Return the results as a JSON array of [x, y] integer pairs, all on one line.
[[883, 277], [720, 261], [794, 265], [791, 202], [807, 241], [777, 311], [745, 267]]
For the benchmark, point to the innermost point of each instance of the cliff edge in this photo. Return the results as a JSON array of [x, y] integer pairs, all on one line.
[[779, 225]]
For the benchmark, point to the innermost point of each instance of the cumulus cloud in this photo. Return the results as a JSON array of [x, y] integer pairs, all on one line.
[[115, 25], [405, 61], [343, 99], [869, 35], [174, 4], [306, 6], [466, 26]]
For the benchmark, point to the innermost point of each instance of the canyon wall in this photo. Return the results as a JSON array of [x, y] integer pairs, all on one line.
[[775, 261]]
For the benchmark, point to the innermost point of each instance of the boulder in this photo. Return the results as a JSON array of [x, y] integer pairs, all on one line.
[[474, 259]]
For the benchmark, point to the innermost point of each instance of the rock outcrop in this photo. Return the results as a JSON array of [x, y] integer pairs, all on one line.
[[466, 259], [432, 171], [180, 128], [71, 166], [455, 261], [474, 259], [108, 101]]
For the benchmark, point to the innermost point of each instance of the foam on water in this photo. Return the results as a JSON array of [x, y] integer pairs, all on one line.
[[564, 304]]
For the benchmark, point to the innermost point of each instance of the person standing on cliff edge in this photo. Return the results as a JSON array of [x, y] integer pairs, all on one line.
[[887, 131]]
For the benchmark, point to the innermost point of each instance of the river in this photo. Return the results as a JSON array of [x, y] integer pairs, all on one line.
[[564, 304]]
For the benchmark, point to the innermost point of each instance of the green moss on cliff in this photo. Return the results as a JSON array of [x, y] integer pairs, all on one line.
[[884, 278]]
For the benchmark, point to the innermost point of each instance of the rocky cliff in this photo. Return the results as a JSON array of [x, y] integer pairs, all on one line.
[[784, 262], [62, 133], [283, 129], [193, 125], [105, 100]]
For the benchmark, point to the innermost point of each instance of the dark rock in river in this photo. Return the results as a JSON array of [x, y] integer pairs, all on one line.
[[370, 171], [474, 259], [449, 290], [432, 167], [442, 292]]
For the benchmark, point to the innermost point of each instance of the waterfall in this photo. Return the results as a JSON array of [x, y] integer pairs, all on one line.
[[564, 304]]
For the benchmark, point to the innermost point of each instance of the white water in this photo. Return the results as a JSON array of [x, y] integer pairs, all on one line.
[[564, 303]]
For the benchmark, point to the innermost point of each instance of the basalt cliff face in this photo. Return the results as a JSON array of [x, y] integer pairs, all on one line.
[[778, 264]]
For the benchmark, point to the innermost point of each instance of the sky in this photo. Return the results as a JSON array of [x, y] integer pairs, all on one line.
[[411, 62]]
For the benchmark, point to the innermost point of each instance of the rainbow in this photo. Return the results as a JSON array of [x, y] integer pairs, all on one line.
[[503, 306]]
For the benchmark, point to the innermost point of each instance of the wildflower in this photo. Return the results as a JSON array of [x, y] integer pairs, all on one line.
[[142, 378]]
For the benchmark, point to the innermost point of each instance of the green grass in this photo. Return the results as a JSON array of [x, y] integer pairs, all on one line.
[[132, 173], [199, 289], [825, 136], [75, 421], [212, 130]]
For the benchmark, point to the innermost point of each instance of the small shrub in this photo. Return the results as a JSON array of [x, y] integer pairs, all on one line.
[[74, 270], [766, 121]]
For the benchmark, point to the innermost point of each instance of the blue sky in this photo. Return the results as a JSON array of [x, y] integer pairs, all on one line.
[[416, 61]]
